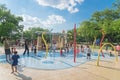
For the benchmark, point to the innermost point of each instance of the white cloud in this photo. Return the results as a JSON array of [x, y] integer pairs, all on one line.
[[53, 20], [30, 21], [70, 5]]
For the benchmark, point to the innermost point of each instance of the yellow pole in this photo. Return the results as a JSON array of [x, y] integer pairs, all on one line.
[[93, 44], [102, 48], [45, 44], [99, 55]]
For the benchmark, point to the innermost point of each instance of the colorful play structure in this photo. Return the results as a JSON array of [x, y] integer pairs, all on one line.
[[103, 45], [93, 46], [116, 54], [58, 40], [74, 43], [101, 42], [60, 59], [46, 45]]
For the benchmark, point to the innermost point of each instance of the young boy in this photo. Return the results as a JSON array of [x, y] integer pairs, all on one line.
[[88, 52], [15, 58]]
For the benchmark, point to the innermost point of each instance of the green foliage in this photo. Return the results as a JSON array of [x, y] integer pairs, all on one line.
[[107, 20], [33, 32], [9, 23], [70, 35]]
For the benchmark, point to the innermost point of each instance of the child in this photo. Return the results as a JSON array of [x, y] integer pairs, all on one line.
[[67, 49], [111, 54], [35, 50], [61, 52], [88, 52], [15, 58]]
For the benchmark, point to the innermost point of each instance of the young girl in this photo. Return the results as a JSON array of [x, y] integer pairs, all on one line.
[[15, 58]]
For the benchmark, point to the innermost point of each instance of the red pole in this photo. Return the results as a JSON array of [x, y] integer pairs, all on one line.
[[75, 43], [103, 36]]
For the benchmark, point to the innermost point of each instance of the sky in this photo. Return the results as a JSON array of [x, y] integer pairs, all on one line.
[[58, 15]]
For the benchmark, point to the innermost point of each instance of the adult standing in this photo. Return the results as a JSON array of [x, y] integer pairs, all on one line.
[[7, 49], [26, 48]]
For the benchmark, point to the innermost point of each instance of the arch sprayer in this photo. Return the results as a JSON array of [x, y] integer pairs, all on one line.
[[102, 48], [93, 46]]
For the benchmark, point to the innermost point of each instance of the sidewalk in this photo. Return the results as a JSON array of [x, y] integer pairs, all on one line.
[[20, 50], [108, 70]]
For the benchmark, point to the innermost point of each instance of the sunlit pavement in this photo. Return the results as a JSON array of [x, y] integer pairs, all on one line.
[[108, 70]]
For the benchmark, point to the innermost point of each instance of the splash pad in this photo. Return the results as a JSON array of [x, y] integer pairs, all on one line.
[[55, 61]]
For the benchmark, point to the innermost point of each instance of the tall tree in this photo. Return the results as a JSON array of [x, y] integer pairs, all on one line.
[[33, 32], [9, 22]]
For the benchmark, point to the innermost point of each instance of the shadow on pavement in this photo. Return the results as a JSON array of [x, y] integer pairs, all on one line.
[[22, 76]]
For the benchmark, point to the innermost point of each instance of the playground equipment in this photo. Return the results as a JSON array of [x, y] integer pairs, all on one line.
[[93, 46], [101, 41], [101, 50], [101, 47], [103, 36], [75, 43], [58, 39], [61, 44], [46, 45]]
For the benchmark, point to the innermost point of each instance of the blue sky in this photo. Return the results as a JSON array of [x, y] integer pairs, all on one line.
[[55, 14]]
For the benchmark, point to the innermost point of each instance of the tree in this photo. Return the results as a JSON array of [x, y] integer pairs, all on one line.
[[33, 32], [70, 34], [9, 22]]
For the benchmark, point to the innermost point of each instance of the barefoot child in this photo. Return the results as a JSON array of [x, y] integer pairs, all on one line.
[[15, 58], [88, 52]]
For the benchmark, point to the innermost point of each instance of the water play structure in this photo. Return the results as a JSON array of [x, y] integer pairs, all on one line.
[[58, 41], [93, 46], [49, 59], [74, 43], [46, 45], [103, 45], [101, 42], [102, 48]]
